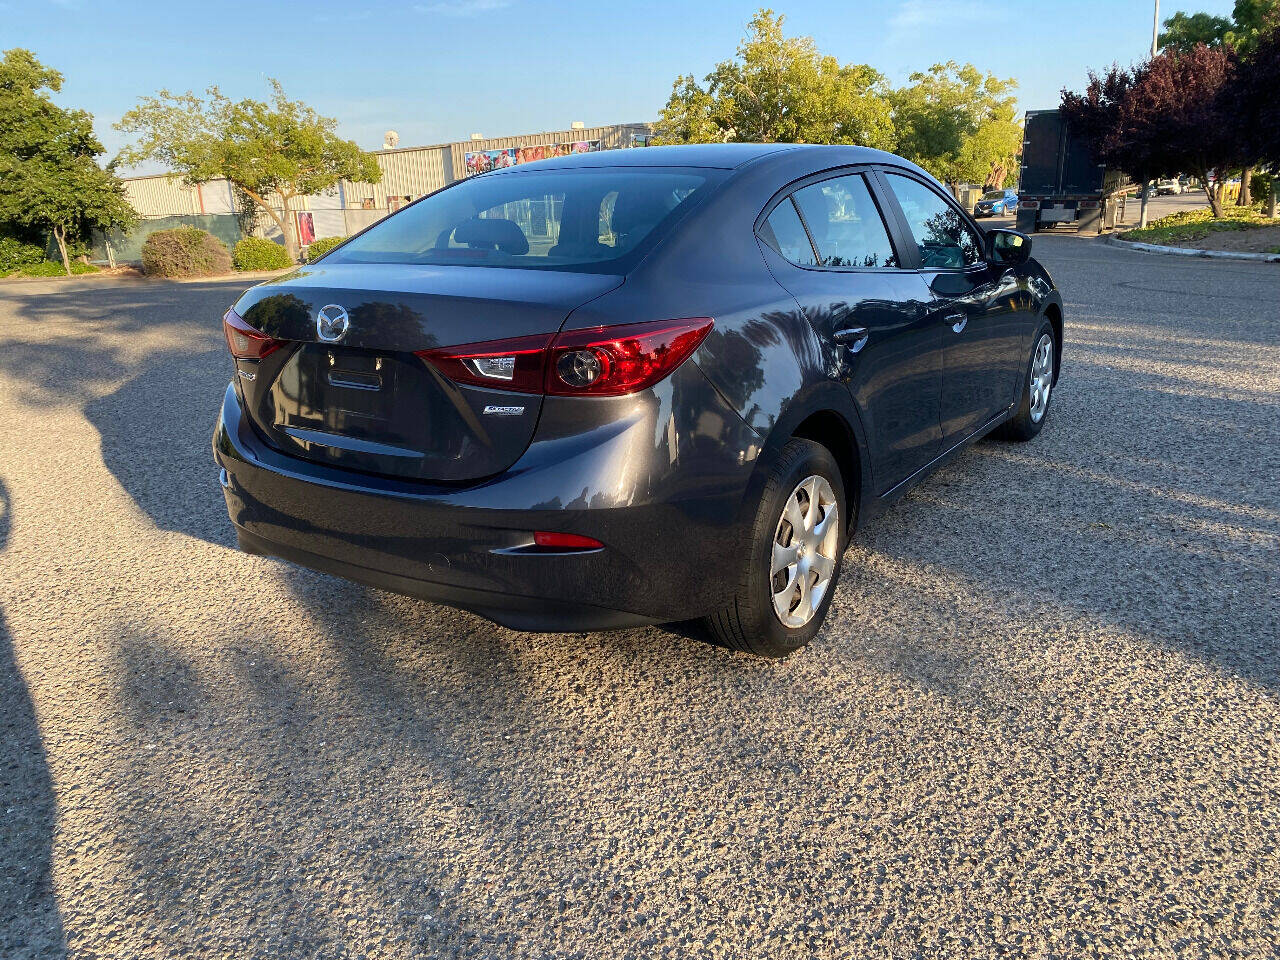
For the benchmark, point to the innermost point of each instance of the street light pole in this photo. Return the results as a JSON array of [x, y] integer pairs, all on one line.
[[1155, 32]]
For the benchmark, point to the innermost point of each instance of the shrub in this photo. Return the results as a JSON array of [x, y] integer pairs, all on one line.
[[51, 268], [322, 246], [16, 254], [259, 253], [184, 252]]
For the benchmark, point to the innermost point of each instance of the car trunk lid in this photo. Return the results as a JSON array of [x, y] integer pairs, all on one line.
[[366, 401]]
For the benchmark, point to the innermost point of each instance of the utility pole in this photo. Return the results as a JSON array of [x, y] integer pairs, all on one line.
[[1155, 32]]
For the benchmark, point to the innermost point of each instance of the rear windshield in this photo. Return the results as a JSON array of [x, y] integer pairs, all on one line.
[[586, 219]]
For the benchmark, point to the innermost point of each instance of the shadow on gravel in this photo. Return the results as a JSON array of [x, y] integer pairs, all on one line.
[[156, 431], [30, 923], [66, 368]]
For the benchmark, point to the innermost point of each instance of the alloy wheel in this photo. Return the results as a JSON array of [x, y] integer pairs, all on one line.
[[804, 552], [1041, 377]]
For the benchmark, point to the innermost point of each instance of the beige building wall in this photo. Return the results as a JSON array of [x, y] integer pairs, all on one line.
[[409, 172]]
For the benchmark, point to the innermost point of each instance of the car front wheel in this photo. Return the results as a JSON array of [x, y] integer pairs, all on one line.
[[1037, 387], [792, 563]]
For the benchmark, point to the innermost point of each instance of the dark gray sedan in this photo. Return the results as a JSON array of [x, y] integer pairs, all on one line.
[[631, 387]]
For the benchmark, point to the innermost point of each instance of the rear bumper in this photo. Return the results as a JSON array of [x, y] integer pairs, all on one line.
[[667, 505]]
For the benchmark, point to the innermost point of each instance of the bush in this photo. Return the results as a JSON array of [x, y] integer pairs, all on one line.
[[184, 252], [259, 253], [322, 246], [16, 254], [50, 268]]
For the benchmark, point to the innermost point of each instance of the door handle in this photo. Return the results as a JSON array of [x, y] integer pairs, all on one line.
[[855, 338], [958, 321]]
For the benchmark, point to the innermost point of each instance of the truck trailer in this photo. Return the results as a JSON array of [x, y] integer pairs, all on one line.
[[1061, 183]]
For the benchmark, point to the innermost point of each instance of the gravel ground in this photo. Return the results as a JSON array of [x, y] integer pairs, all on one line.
[[1042, 721]]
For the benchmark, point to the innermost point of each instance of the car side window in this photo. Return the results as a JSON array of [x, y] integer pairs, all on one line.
[[943, 237], [845, 224], [785, 233]]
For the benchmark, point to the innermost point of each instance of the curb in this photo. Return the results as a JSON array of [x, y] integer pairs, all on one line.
[[1192, 252]]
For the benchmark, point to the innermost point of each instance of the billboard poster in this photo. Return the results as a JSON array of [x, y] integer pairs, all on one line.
[[482, 161], [306, 228]]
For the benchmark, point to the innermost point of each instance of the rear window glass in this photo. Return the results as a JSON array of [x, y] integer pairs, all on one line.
[[589, 219]]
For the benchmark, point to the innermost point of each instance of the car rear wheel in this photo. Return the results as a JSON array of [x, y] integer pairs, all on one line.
[[1037, 388], [792, 563]]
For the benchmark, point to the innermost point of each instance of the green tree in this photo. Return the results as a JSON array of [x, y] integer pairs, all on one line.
[[779, 89], [49, 179], [1183, 31], [273, 152], [957, 122]]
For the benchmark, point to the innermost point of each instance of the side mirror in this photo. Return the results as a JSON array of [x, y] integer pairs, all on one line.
[[1008, 247]]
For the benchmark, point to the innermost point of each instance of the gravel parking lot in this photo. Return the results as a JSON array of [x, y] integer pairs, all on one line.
[[1043, 721]]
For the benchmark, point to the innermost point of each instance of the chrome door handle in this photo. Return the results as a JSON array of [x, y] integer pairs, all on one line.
[[855, 338], [959, 321]]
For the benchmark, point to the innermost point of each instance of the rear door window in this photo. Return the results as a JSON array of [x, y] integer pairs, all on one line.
[[785, 233], [845, 223]]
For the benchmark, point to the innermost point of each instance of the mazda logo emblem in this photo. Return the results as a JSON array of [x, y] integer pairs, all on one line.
[[332, 323]]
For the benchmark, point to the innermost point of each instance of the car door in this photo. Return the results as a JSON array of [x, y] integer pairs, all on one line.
[[874, 319], [976, 301]]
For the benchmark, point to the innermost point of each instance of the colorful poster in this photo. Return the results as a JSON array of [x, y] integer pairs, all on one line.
[[306, 228], [482, 161]]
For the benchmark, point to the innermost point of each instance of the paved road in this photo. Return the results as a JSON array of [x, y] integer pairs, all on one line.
[[1044, 721]]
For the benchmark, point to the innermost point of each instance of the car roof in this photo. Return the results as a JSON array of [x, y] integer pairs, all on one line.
[[724, 156]]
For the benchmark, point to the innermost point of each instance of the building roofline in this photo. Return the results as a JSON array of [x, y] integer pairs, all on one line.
[[433, 146]]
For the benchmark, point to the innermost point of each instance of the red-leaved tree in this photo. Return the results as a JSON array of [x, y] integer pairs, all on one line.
[[1179, 112], [1100, 116], [1260, 99]]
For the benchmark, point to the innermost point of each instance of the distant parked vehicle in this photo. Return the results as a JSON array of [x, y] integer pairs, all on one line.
[[1168, 188], [996, 203]]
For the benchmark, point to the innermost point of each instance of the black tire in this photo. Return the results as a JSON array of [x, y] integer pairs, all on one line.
[[1022, 426], [748, 621]]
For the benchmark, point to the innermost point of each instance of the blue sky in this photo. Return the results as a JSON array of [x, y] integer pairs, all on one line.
[[440, 70]]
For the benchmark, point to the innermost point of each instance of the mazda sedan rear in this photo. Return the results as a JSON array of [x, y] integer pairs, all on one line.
[[630, 387]]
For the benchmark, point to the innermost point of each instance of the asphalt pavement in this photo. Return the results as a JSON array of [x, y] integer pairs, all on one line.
[[1042, 722]]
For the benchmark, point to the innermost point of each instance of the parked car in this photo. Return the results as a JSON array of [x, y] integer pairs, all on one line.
[[1168, 187], [996, 203], [492, 399]]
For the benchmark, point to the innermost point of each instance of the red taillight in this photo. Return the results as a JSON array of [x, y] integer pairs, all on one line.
[[565, 541], [610, 361], [246, 342], [514, 364], [598, 362], [1030, 205]]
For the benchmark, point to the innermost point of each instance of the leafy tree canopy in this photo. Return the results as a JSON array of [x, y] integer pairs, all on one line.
[[49, 179], [779, 89], [281, 149], [957, 122], [1178, 112], [1249, 20]]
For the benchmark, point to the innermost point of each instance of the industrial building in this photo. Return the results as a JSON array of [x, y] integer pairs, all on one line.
[[163, 200]]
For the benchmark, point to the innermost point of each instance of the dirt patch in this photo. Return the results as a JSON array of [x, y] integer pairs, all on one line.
[[1258, 240]]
